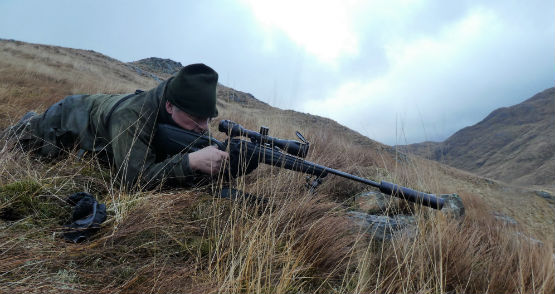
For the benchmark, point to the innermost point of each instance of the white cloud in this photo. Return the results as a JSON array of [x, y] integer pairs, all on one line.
[[422, 73], [323, 28]]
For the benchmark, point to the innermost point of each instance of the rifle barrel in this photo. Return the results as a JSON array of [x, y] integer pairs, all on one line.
[[352, 177], [293, 163], [422, 198]]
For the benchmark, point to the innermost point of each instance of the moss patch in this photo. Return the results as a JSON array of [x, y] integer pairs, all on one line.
[[21, 199]]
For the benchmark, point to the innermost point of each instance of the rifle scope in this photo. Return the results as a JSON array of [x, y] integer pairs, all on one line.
[[292, 147]]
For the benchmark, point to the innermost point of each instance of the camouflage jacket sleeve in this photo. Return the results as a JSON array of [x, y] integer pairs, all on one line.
[[135, 161]]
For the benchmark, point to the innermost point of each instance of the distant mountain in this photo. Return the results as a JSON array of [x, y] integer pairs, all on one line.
[[514, 144]]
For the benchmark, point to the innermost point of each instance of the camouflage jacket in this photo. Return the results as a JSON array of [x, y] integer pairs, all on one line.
[[123, 126]]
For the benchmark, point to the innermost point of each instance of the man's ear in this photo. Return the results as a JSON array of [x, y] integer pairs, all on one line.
[[169, 107]]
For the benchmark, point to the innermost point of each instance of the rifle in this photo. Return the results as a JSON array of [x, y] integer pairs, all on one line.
[[288, 154]]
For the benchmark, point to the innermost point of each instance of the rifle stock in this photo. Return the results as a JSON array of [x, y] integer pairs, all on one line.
[[170, 140]]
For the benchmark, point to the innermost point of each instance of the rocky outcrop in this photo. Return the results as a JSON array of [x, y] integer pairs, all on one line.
[[382, 217], [505, 219], [160, 66], [382, 227], [545, 195], [145, 73], [374, 202], [452, 205], [156, 68]]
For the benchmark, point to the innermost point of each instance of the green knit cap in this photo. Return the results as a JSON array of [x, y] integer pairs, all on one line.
[[193, 90]]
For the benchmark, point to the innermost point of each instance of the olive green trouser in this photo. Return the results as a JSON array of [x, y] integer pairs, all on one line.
[[47, 134]]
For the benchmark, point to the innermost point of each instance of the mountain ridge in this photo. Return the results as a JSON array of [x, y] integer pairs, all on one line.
[[515, 144]]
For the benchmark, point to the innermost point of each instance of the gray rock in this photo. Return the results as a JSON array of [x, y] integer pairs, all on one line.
[[374, 202], [236, 98], [544, 194], [505, 218], [453, 205], [156, 64], [528, 238], [156, 78], [402, 157], [489, 181], [381, 227], [138, 70], [371, 202], [144, 73]]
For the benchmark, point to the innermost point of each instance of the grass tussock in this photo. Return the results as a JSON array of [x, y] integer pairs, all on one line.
[[477, 255]]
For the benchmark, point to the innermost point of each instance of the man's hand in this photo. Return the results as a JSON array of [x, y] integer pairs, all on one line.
[[207, 160]]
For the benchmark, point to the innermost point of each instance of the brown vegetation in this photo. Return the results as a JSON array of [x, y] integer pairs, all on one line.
[[185, 241]]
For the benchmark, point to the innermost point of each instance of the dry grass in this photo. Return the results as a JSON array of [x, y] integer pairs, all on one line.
[[184, 241], [189, 241], [476, 256]]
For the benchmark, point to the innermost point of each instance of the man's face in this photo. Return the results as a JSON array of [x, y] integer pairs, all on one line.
[[187, 121]]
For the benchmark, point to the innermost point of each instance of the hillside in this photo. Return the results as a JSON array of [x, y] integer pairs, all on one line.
[[39, 75], [514, 144], [191, 241]]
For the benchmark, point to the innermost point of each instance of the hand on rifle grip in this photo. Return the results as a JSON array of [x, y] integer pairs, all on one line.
[[207, 160]]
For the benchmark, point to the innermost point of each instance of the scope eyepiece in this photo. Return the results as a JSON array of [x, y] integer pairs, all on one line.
[[231, 128]]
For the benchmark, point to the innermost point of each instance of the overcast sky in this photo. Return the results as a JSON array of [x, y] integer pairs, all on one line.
[[397, 71]]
